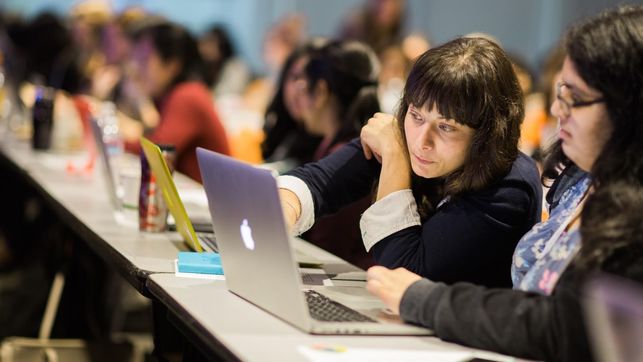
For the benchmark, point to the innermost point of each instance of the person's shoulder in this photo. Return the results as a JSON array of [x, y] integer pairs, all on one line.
[[191, 92], [522, 176], [517, 188], [524, 168]]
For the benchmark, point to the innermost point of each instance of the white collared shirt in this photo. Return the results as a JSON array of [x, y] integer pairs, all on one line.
[[395, 212]]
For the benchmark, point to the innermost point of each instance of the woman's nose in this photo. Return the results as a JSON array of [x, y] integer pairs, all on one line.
[[426, 138]]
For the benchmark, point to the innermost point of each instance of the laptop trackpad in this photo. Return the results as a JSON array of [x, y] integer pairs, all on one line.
[[362, 301]]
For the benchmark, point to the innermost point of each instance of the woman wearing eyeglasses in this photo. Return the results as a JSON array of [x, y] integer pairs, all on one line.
[[544, 253], [595, 222]]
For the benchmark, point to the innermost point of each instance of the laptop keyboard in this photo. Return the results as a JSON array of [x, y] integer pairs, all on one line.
[[209, 240], [315, 279], [325, 309]]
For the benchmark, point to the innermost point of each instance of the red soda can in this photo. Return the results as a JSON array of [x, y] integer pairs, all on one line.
[[152, 210]]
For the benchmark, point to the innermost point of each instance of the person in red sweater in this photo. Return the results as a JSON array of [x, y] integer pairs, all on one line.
[[168, 68]]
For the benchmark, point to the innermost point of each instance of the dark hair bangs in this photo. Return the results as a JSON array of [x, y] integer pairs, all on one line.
[[453, 94]]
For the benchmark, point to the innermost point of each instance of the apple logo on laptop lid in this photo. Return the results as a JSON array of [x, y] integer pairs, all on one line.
[[246, 235]]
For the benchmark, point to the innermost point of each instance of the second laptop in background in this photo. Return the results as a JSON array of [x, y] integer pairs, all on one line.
[[196, 242]]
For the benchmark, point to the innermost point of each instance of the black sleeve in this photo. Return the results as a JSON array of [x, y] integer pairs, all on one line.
[[470, 239], [507, 321], [339, 179]]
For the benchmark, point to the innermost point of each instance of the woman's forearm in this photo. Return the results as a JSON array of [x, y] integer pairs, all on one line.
[[395, 174], [291, 207]]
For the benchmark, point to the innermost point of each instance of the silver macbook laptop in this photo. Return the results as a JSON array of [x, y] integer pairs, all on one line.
[[614, 313], [108, 173], [259, 261]]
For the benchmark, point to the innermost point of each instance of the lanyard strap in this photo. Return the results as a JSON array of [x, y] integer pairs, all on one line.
[[561, 229]]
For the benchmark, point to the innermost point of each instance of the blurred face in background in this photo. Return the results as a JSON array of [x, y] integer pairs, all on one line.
[[393, 65], [209, 48], [153, 73], [315, 103], [387, 12], [115, 44], [293, 88], [281, 39]]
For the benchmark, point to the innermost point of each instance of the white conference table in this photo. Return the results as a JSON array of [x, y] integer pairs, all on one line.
[[216, 321], [82, 202], [220, 323]]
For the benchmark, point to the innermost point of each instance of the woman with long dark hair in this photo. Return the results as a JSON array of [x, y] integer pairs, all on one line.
[[287, 143], [595, 219], [169, 71], [335, 94], [453, 193]]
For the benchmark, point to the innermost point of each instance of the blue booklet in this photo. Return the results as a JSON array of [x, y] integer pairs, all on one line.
[[202, 263]]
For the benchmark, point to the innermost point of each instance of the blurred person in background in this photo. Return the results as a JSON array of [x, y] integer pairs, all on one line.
[[170, 72], [414, 45], [225, 72], [280, 41], [378, 23], [337, 93], [396, 63], [87, 21], [395, 68], [45, 53], [35, 243], [116, 47], [535, 111], [287, 144], [116, 81]]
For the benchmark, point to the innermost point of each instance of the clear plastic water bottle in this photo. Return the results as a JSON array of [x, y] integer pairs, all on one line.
[[108, 121]]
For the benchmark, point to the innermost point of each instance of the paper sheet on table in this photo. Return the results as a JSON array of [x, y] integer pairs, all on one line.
[[342, 354]]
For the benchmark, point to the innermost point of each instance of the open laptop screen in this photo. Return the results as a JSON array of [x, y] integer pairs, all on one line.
[[614, 312], [108, 173]]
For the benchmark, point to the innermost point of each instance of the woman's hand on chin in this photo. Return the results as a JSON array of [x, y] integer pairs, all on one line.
[[381, 136]]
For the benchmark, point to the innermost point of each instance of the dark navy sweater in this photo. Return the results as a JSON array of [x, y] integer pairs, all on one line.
[[470, 238]]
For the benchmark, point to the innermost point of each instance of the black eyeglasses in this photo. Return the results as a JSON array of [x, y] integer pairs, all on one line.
[[567, 102]]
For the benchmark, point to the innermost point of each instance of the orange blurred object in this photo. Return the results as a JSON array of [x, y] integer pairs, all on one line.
[[246, 145]]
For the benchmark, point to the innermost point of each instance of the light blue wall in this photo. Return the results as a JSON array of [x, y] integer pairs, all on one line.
[[527, 28]]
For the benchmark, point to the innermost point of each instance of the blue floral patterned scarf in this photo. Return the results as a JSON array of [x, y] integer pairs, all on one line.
[[539, 260]]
